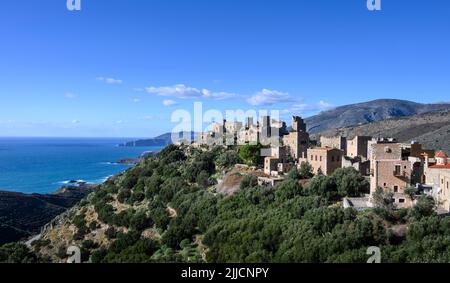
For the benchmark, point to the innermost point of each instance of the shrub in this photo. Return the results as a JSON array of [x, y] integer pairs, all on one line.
[[228, 159], [424, 207], [249, 181], [111, 233], [251, 154], [123, 195], [203, 179], [306, 170], [140, 222]]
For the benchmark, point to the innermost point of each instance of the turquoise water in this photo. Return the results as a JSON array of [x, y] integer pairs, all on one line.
[[42, 165]]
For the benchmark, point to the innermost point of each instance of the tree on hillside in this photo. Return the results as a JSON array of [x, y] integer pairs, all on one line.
[[16, 253], [411, 192], [228, 159], [425, 207], [306, 170], [251, 154], [382, 199], [350, 182]]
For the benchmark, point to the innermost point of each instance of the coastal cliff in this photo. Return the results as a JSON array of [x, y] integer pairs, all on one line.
[[22, 215]]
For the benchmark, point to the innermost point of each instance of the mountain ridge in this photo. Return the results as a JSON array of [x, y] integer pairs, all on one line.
[[432, 129], [368, 112]]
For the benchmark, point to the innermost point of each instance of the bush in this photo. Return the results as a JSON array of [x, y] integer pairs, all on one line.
[[203, 179], [306, 170], [130, 180], [350, 182], [137, 197], [140, 222], [89, 245], [93, 226], [160, 217], [123, 219], [287, 190], [123, 195], [228, 159], [251, 154], [383, 200], [425, 207], [105, 212], [16, 253], [152, 185], [111, 233], [98, 255], [124, 241], [79, 221], [62, 252], [249, 181]]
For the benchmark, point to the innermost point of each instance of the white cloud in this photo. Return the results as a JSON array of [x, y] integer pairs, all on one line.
[[269, 97], [179, 91], [76, 122], [182, 91], [218, 95], [69, 95], [119, 122], [136, 100], [325, 106], [110, 81], [169, 102]]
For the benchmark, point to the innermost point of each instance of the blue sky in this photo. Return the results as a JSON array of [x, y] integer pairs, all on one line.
[[119, 68]]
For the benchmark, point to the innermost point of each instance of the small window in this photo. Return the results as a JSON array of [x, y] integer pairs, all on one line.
[[320, 158], [397, 170], [384, 185], [401, 200], [316, 157], [332, 158], [395, 189]]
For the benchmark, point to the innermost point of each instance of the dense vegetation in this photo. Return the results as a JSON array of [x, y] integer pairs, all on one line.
[[173, 197]]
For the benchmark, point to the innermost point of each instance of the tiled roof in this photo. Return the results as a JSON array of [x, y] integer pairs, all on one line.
[[441, 154]]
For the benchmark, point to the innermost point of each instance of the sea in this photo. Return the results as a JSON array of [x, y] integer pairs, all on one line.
[[43, 165]]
